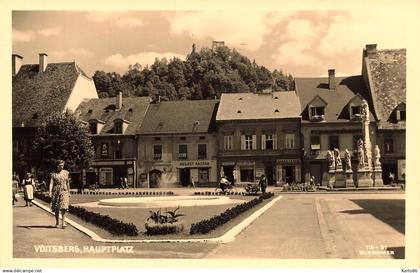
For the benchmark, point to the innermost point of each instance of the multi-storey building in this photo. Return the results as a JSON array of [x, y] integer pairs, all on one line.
[[113, 123], [176, 143], [39, 91], [259, 133], [384, 72]]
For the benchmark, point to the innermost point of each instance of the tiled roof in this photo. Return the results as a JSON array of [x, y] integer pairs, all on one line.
[[36, 95], [337, 99], [251, 106], [133, 110], [180, 117], [387, 80]]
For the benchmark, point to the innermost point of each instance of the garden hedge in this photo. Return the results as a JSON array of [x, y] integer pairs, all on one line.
[[113, 226], [207, 225]]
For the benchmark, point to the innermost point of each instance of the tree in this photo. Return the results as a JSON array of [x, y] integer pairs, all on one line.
[[63, 136]]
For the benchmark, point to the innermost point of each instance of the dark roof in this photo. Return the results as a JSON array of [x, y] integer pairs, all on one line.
[[36, 95], [337, 99], [104, 110], [251, 106], [387, 82], [180, 117]]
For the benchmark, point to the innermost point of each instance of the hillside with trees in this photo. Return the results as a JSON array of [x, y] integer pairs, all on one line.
[[203, 75]]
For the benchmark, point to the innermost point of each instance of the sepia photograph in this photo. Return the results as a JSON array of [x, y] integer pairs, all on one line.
[[211, 135]]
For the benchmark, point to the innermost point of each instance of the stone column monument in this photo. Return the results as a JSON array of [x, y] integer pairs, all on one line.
[[377, 172], [340, 179], [331, 168], [364, 172]]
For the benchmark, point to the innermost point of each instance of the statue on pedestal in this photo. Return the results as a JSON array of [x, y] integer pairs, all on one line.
[[365, 110], [377, 156], [347, 160], [338, 163], [360, 153], [331, 160]]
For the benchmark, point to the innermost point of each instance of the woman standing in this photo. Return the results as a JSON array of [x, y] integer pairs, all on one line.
[[28, 189], [59, 193], [15, 188]]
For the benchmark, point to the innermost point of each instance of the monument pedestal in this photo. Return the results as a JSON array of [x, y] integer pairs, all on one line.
[[377, 177], [331, 178], [340, 178], [364, 178], [349, 179]]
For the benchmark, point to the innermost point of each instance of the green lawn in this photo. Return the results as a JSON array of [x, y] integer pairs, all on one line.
[[137, 216]]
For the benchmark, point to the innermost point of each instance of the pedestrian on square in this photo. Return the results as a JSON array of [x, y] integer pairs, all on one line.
[[125, 182], [312, 180], [59, 192], [28, 189], [263, 183], [192, 182], [15, 188]]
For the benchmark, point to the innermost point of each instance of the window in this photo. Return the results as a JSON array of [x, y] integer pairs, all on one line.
[[118, 150], [183, 151], [202, 137], [334, 142], [202, 151], [248, 142], [290, 141], [227, 143], [118, 127], [317, 111], [93, 127], [203, 175], [389, 145], [315, 143], [104, 150], [247, 175], [401, 115], [355, 140], [268, 142], [356, 110], [157, 152]]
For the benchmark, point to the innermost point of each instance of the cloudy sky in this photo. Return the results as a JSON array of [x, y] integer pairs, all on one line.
[[303, 43]]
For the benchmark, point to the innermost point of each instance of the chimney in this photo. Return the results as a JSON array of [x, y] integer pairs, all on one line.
[[16, 63], [371, 50], [119, 101], [42, 62], [331, 79]]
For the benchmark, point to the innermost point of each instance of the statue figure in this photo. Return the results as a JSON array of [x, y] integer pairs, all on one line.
[[347, 159], [365, 110], [337, 157], [361, 153], [330, 158], [377, 156]]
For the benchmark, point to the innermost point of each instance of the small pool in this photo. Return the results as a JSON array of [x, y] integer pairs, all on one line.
[[167, 201]]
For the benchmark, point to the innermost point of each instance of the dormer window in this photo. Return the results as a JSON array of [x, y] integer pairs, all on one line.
[[93, 128], [316, 109], [401, 115], [356, 111], [118, 127]]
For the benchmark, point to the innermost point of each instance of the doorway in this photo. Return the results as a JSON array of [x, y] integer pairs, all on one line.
[[154, 178], [228, 172], [184, 177], [269, 174], [289, 174]]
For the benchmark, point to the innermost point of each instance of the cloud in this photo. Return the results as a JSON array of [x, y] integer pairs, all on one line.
[[19, 36], [121, 62], [358, 28], [71, 53], [237, 28], [121, 19], [47, 32]]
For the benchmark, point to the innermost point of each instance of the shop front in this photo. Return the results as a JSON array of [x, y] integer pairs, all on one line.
[[204, 172], [108, 173]]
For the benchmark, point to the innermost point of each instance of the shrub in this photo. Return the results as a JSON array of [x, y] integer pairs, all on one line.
[[207, 225], [159, 223]]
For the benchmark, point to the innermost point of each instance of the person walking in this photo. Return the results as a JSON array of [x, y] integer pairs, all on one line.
[[192, 182], [263, 183], [15, 189], [59, 191], [28, 189]]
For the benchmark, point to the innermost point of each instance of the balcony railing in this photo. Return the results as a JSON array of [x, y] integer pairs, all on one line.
[[182, 156]]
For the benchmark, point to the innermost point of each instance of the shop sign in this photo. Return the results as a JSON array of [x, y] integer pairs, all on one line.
[[194, 164], [288, 161], [401, 169], [228, 163], [246, 163]]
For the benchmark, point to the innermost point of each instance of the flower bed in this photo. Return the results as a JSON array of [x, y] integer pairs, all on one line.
[[113, 226], [153, 228], [298, 188], [207, 225]]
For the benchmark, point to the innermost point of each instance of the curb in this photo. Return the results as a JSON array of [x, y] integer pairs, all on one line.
[[229, 236]]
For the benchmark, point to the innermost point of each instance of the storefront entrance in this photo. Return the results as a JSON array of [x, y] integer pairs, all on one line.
[[289, 174], [184, 176], [269, 174], [228, 172], [386, 170]]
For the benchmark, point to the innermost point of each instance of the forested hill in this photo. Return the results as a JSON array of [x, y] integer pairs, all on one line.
[[203, 75]]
